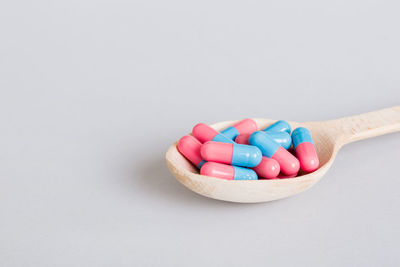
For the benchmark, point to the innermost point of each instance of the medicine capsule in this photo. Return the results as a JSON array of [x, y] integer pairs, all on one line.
[[270, 149], [227, 172], [279, 126], [235, 154], [246, 126], [205, 133], [282, 138], [190, 147], [268, 168], [305, 149]]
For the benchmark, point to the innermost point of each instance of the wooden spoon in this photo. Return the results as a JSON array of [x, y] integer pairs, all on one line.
[[329, 137]]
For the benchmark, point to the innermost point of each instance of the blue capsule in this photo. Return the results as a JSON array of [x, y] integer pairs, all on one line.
[[279, 126], [282, 138], [266, 144]]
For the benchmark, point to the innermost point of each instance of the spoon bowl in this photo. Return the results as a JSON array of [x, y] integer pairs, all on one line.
[[328, 136]]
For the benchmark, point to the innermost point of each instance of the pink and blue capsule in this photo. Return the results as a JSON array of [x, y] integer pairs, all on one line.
[[205, 133], [190, 148], [279, 126], [246, 126], [227, 172], [305, 149], [288, 163], [282, 138], [234, 154]]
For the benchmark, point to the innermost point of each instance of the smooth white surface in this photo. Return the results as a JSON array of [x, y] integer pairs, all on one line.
[[92, 93]]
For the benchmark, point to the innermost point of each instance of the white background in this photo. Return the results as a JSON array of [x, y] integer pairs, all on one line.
[[92, 93]]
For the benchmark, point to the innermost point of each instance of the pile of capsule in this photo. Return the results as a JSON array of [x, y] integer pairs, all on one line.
[[241, 152]]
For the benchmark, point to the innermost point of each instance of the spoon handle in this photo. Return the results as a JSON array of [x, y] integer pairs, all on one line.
[[366, 125]]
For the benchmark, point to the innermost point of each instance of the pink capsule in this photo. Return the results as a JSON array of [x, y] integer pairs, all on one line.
[[190, 147], [268, 168], [246, 126], [289, 164], [307, 156], [218, 170]]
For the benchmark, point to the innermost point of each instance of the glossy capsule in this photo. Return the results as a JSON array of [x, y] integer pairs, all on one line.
[[270, 149], [234, 154], [279, 126], [227, 172], [246, 126], [268, 168], [190, 148], [282, 138], [205, 133], [305, 149]]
